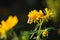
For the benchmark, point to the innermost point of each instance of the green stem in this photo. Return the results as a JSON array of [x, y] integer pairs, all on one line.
[[14, 35], [40, 24], [34, 31]]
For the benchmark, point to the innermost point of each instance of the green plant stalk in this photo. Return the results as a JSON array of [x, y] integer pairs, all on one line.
[[38, 33], [36, 27], [15, 36]]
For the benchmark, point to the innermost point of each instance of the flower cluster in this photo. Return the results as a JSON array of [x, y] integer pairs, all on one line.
[[40, 17], [36, 15], [7, 25]]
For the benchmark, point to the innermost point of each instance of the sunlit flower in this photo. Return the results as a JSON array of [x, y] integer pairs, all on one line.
[[32, 16], [7, 25], [44, 33], [49, 13], [35, 15]]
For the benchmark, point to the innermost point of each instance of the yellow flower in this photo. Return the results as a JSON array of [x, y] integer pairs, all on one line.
[[7, 25], [49, 13], [35, 15], [32, 16], [11, 22], [44, 33]]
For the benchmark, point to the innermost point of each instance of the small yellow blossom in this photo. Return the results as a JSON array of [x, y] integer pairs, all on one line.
[[32, 16], [45, 33], [35, 15], [49, 13], [7, 25]]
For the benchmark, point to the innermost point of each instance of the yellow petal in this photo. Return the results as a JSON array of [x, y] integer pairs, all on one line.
[[9, 19], [2, 33], [44, 33], [12, 22]]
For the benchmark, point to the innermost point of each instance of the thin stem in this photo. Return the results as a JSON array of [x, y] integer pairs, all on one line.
[[40, 24], [34, 30], [14, 35]]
